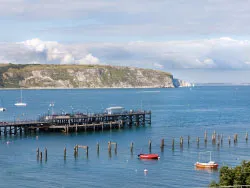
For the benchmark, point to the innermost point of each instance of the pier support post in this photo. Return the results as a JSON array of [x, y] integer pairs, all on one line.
[[97, 148], [15, 130], [109, 147], [149, 145], [221, 139], [10, 131], [45, 154], [41, 156], [131, 147], [205, 137], [235, 138], [116, 148], [162, 143], [37, 153], [229, 140], [5, 131], [0, 131], [198, 141], [188, 140], [20, 130], [76, 128], [181, 141], [64, 153], [173, 144], [246, 137], [87, 151]]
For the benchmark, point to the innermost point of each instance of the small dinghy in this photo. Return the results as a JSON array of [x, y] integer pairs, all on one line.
[[148, 156]]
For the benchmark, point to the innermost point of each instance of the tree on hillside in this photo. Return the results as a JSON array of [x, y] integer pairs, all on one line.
[[240, 175]]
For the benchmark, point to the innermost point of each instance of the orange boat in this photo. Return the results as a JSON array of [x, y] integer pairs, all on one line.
[[211, 164], [148, 156]]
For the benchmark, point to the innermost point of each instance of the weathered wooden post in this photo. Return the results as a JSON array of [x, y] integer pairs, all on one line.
[[229, 140], [173, 144], [235, 138], [149, 145], [205, 137], [246, 137], [198, 140], [109, 147], [162, 143], [181, 141], [218, 142], [41, 156], [37, 153], [116, 148], [75, 153], [131, 147], [188, 140], [45, 154], [87, 151], [97, 148], [64, 153], [221, 139]]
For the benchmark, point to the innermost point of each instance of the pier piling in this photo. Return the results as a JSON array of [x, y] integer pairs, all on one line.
[[173, 144], [246, 137], [45, 154], [41, 156], [131, 147], [149, 145], [97, 148], [162, 143], [188, 140], [37, 153], [64, 153]]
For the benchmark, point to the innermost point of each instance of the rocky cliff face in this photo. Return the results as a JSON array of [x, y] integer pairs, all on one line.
[[82, 76]]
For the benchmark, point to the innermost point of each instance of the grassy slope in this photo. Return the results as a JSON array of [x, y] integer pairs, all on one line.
[[59, 72]]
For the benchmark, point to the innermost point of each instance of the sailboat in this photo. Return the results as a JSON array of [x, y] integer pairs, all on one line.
[[210, 164], [21, 103], [2, 109]]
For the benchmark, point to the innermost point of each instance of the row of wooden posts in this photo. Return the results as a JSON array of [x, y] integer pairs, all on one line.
[[162, 145]]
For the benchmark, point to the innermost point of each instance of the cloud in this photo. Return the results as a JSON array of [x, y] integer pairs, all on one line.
[[128, 18], [89, 59], [217, 53]]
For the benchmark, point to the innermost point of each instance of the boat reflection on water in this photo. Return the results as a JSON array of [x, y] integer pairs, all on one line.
[[209, 170]]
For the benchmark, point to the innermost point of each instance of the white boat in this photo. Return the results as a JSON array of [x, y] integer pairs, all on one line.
[[210, 164], [21, 103], [2, 109]]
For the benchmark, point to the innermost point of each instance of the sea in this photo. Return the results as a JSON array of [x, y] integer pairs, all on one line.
[[178, 112]]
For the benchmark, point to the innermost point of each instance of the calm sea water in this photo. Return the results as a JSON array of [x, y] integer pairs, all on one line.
[[175, 113]]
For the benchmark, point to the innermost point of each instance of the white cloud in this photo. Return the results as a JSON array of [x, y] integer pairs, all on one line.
[[218, 53], [89, 59]]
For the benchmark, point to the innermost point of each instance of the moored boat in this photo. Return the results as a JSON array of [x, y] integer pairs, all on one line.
[[2, 109], [148, 156], [210, 164]]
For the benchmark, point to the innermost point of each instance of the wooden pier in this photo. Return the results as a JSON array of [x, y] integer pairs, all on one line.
[[78, 122]]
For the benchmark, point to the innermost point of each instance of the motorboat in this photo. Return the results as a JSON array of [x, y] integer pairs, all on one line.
[[148, 156]]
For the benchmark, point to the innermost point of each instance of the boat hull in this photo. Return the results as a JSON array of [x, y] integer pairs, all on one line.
[[148, 156], [206, 165]]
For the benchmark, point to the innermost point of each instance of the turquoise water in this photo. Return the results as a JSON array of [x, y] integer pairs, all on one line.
[[175, 113]]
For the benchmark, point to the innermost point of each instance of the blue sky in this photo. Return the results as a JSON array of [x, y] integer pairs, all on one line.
[[199, 41]]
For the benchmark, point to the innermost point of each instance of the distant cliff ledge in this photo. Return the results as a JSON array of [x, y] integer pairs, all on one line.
[[83, 76]]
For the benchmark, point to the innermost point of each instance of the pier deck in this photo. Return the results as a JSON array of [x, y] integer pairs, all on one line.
[[78, 122]]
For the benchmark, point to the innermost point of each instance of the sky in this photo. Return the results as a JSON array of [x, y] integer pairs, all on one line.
[[198, 41]]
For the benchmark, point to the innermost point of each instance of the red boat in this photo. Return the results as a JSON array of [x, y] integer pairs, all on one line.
[[148, 156]]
